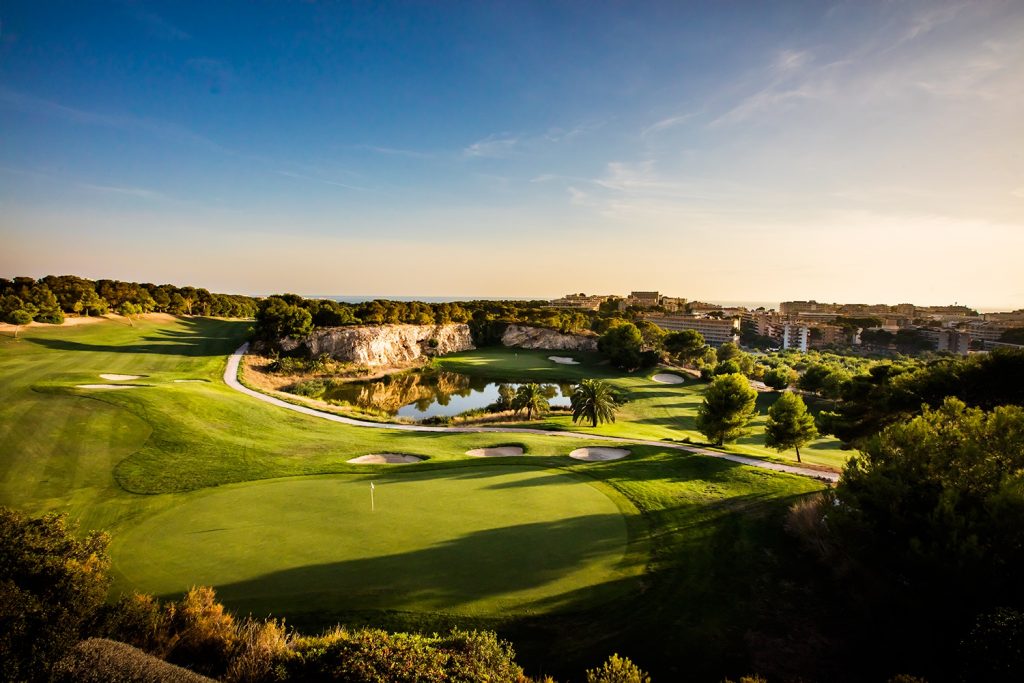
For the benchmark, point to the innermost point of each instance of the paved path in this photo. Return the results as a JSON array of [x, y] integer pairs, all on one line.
[[231, 379]]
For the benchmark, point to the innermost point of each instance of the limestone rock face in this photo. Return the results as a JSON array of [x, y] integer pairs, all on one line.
[[525, 337], [385, 345]]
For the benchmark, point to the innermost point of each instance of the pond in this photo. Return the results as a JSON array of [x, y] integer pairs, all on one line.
[[430, 393]]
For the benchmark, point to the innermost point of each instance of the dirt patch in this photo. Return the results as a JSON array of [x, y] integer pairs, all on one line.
[[114, 377], [496, 452], [564, 360], [386, 459], [599, 453], [666, 378]]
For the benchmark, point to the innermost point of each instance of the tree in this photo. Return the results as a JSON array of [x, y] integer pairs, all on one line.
[[277, 319], [47, 307], [728, 406], [623, 345], [728, 351], [686, 346], [506, 396], [51, 584], [928, 522], [779, 378], [653, 336], [729, 367], [593, 400], [18, 318], [531, 398], [789, 424], [128, 309], [92, 303]]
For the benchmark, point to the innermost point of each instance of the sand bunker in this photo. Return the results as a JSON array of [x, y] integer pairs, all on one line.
[[108, 386], [496, 452], [564, 360], [385, 459], [665, 378], [596, 454], [118, 378]]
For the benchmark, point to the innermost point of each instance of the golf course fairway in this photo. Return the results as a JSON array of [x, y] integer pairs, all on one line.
[[499, 539]]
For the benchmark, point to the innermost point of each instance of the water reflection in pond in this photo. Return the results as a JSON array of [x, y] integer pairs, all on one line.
[[431, 393]]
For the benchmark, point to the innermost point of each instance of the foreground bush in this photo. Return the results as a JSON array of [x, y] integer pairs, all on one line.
[[374, 656], [98, 660], [51, 586], [617, 670]]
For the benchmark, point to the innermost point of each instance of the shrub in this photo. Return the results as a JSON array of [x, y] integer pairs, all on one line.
[[98, 660], [51, 585], [140, 621], [312, 388], [617, 670], [374, 656], [261, 653], [480, 656], [205, 633]]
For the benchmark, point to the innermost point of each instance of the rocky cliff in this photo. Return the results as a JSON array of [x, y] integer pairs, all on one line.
[[524, 337], [384, 345]]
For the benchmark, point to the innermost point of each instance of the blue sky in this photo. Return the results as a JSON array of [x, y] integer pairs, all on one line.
[[857, 151]]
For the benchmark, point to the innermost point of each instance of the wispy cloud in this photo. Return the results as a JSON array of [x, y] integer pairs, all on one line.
[[395, 151], [670, 122], [926, 21], [562, 134], [30, 104], [788, 60], [157, 25], [505, 145], [496, 146], [324, 181], [137, 192]]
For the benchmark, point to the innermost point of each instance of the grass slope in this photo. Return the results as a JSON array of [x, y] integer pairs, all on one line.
[[704, 530], [493, 540]]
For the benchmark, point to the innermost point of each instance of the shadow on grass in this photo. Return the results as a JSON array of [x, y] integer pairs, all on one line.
[[452, 576], [203, 338]]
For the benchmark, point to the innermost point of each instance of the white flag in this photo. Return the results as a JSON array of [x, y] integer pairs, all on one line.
[[371, 485]]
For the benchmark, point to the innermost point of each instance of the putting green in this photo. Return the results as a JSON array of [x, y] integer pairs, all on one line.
[[484, 540]]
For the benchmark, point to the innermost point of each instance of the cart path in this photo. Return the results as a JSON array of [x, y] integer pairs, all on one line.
[[231, 379]]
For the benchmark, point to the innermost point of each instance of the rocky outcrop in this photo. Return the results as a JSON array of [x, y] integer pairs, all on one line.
[[524, 337], [384, 345]]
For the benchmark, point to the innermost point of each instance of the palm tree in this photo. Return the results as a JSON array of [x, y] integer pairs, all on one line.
[[594, 400], [532, 398]]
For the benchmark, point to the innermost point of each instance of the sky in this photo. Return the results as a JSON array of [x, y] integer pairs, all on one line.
[[851, 151]]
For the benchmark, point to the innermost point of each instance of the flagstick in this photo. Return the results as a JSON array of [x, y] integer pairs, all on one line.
[[372, 508]]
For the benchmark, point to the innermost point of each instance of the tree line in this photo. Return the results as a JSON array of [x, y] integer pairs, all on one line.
[[50, 299]]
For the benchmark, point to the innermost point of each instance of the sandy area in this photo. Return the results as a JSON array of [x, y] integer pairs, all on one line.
[[496, 452], [385, 459], [564, 360], [665, 378], [114, 377], [108, 386], [69, 321], [598, 453]]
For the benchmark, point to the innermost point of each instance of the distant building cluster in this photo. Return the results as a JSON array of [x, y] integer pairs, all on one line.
[[807, 325]]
